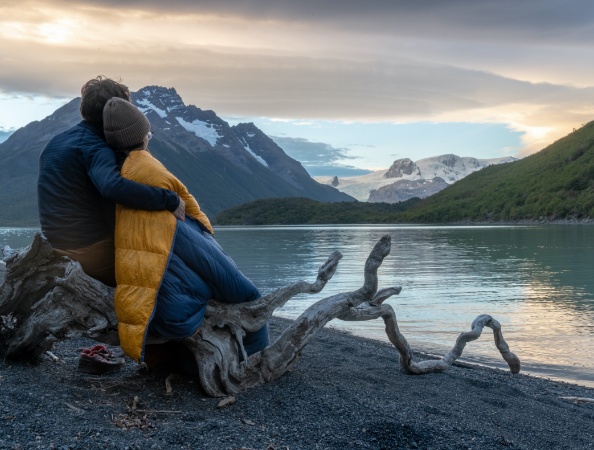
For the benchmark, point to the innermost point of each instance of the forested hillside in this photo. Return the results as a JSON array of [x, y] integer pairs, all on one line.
[[555, 183], [296, 211]]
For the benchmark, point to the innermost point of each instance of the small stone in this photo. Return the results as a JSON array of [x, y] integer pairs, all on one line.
[[228, 401]]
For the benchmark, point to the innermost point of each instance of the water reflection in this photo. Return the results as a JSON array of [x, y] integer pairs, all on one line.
[[536, 280], [15, 238]]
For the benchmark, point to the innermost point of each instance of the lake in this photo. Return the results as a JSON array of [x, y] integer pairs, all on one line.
[[535, 280]]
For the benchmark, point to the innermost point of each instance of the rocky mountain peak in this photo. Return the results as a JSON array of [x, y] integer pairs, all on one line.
[[159, 99], [247, 126], [448, 160], [401, 167]]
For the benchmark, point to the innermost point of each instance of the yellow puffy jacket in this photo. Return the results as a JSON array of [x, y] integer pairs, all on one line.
[[143, 243]]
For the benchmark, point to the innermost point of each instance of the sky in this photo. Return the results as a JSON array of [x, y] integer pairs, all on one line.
[[344, 86]]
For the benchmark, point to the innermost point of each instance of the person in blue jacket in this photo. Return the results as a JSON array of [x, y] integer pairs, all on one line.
[[79, 185]]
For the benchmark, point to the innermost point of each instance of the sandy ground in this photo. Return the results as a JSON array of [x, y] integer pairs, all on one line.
[[345, 393]]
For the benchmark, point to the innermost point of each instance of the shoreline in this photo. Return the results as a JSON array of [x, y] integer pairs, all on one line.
[[569, 221], [586, 221], [344, 392], [576, 374]]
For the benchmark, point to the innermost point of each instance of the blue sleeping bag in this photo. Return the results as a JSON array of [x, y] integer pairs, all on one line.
[[199, 269]]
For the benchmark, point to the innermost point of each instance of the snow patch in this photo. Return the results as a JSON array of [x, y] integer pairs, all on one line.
[[146, 106], [201, 129], [359, 186], [258, 158]]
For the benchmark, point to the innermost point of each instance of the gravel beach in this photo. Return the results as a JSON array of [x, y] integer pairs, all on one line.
[[345, 393]]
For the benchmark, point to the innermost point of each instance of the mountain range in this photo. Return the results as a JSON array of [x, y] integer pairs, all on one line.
[[554, 184], [406, 179], [222, 165], [225, 166]]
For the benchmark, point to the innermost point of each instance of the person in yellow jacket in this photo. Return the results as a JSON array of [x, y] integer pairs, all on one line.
[[166, 268]]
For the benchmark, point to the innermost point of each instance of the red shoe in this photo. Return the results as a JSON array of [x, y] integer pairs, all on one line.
[[98, 360]]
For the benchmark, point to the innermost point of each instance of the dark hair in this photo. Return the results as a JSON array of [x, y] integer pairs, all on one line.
[[94, 95]]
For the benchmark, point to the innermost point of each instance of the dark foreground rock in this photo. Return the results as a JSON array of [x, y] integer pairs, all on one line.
[[345, 393]]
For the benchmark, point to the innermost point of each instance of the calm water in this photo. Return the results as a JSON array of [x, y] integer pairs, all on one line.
[[535, 280]]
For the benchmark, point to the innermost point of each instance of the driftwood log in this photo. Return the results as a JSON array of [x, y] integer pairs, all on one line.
[[46, 298]]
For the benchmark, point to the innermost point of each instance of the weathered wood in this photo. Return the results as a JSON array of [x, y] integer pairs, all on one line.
[[51, 298], [46, 298], [386, 312]]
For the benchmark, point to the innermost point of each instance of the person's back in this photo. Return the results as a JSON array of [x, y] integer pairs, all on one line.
[[79, 184], [72, 211]]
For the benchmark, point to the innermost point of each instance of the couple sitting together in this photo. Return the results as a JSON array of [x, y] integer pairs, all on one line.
[[167, 262]]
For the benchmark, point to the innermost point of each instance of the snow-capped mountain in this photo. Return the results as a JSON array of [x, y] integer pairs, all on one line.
[[402, 190], [222, 166], [244, 145], [407, 179]]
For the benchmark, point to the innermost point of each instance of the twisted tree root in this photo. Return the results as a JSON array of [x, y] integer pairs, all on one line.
[[376, 309], [262, 367], [49, 298]]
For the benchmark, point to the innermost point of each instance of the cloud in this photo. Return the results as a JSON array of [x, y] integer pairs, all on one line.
[[5, 134], [311, 153], [544, 19], [525, 63], [335, 170], [288, 86], [319, 158]]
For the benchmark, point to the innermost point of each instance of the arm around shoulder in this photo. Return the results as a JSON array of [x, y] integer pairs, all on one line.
[[105, 174]]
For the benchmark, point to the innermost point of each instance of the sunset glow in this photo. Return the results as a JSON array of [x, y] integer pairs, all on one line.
[[322, 64]]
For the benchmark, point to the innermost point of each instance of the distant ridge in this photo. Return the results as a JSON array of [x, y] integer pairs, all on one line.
[[407, 179], [553, 185]]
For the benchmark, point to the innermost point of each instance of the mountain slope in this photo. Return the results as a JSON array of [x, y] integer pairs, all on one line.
[[19, 156], [268, 153], [555, 183], [233, 166], [200, 148], [402, 190]]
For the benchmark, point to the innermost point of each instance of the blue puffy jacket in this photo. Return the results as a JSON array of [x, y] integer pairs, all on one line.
[[79, 184]]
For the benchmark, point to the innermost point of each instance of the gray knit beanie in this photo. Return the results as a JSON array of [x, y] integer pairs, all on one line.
[[124, 125]]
